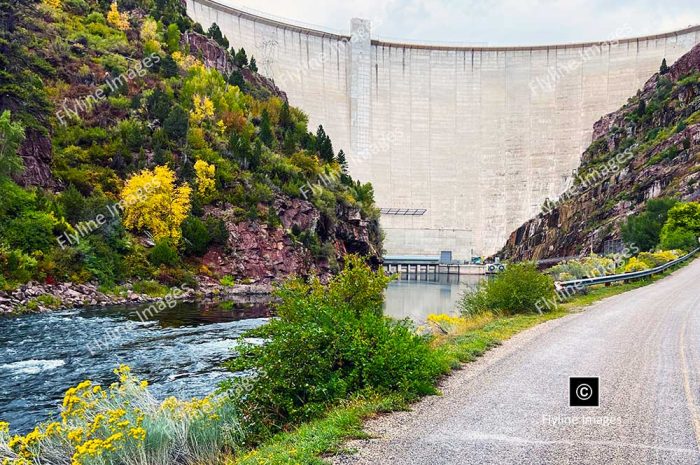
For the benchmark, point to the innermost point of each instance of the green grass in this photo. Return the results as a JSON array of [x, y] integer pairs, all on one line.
[[308, 444]]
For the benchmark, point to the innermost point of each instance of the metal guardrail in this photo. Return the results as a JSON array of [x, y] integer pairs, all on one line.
[[584, 282]]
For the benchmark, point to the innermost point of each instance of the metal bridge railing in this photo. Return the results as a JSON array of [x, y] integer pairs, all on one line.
[[584, 282]]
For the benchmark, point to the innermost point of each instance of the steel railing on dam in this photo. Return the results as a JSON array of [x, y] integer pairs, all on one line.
[[585, 282]]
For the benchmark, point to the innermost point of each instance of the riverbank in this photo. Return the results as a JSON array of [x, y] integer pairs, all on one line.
[[327, 437], [36, 297]]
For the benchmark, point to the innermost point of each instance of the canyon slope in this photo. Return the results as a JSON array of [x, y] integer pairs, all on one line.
[[648, 148]]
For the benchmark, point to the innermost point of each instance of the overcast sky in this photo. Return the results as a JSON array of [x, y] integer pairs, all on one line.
[[492, 22]]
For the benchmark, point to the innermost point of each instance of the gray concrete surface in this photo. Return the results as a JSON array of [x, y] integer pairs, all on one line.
[[477, 136], [645, 347]]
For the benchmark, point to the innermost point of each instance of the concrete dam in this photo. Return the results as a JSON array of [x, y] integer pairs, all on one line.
[[462, 144]]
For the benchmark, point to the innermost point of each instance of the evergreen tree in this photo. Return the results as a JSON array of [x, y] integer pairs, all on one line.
[[168, 66], [286, 122], [324, 147], [241, 59], [253, 65], [215, 33], [240, 149], [177, 123], [236, 79], [664, 67], [642, 108], [289, 145], [266, 134], [342, 161], [256, 155]]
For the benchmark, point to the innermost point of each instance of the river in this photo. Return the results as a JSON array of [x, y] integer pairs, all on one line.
[[179, 350]]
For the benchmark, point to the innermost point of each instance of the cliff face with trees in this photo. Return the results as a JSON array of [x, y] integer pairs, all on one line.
[[649, 148], [136, 146]]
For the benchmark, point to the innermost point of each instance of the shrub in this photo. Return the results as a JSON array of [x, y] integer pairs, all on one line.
[[644, 229], [150, 288], [587, 267], [680, 239], [635, 264], [227, 281], [32, 231], [658, 258], [124, 423], [164, 254], [196, 236], [515, 290], [328, 343], [682, 228]]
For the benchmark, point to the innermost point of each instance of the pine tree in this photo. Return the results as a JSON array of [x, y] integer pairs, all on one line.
[[253, 65], [256, 155], [664, 67], [266, 134], [215, 33], [286, 122], [324, 147], [642, 108], [241, 59], [342, 161], [236, 79], [289, 145], [168, 66], [177, 123]]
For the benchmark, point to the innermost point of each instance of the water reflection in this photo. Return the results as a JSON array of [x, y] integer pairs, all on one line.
[[416, 296]]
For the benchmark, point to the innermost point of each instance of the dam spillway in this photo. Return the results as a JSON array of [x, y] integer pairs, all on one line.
[[461, 144]]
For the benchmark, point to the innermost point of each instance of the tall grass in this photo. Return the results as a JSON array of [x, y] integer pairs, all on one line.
[[124, 424]]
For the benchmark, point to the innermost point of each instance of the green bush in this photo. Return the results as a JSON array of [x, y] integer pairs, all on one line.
[[644, 228], [515, 290], [31, 231], [680, 239], [328, 343], [163, 253], [195, 236], [682, 228], [150, 288]]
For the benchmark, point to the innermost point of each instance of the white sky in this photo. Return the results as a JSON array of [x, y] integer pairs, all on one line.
[[492, 22]]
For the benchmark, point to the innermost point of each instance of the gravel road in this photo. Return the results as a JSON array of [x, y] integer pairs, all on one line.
[[511, 406]]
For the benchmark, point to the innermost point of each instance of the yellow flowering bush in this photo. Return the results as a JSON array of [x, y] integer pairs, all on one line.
[[153, 201], [654, 259], [202, 109], [124, 423], [117, 19], [205, 177], [635, 264]]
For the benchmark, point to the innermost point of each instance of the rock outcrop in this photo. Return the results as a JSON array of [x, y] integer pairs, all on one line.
[[263, 253], [214, 55], [659, 143]]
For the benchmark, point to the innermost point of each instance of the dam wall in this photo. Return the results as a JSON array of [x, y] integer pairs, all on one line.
[[464, 143]]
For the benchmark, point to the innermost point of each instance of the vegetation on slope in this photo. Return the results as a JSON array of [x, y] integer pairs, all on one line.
[[100, 101]]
